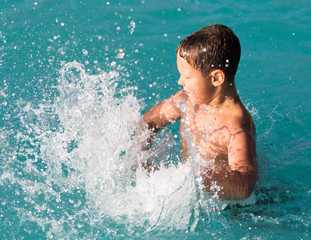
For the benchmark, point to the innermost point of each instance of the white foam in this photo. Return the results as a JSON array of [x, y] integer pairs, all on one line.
[[83, 142], [101, 120]]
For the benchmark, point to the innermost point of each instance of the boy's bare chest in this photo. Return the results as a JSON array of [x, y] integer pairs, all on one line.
[[205, 131]]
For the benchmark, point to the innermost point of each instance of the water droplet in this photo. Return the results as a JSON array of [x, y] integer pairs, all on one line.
[[133, 25], [85, 52], [120, 55]]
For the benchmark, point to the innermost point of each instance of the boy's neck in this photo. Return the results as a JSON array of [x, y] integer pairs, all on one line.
[[224, 93]]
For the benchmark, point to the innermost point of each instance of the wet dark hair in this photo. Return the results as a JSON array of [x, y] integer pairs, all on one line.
[[212, 47]]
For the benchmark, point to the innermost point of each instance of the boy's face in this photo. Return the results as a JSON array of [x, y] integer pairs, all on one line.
[[199, 89]]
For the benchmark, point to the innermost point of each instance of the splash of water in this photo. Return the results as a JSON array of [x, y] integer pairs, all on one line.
[[72, 167], [98, 122]]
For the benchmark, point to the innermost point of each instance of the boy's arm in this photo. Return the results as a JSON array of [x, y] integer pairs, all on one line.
[[162, 114], [239, 181]]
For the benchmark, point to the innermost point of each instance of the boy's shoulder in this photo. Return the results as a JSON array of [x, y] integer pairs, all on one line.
[[177, 100], [236, 116], [180, 96], [232, 114]]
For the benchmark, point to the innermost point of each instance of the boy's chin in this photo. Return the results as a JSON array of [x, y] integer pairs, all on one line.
[[195, 101]]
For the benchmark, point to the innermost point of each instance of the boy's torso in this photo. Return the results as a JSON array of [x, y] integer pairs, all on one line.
[[208, 130]]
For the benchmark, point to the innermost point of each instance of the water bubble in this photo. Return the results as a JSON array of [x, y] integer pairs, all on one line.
[[85, 52], [120, 55], [132, 25]]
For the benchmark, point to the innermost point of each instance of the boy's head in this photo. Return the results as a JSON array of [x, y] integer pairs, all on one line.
[[212, 47]]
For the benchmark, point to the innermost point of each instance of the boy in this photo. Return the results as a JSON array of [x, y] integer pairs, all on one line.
[[214, 123]]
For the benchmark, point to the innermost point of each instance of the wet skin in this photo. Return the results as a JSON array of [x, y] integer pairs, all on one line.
[[213, 122]]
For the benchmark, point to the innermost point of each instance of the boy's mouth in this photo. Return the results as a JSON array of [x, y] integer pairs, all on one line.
[[187, 92]]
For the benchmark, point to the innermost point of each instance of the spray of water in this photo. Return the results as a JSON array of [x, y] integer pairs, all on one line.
[[72, 168]]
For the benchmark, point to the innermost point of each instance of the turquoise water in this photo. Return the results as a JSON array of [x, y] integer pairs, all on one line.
[[76, 77]]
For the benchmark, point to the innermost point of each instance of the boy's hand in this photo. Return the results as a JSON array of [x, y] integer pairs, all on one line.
[[149, 168], [146, 166]]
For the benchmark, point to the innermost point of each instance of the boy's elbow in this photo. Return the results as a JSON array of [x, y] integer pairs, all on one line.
[[234, 185], [237, 192], [242, 188]]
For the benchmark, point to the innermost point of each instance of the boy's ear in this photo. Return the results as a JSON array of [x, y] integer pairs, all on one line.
[[218, 77]]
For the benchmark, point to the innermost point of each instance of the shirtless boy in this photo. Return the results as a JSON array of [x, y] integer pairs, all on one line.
[[213, 121]]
